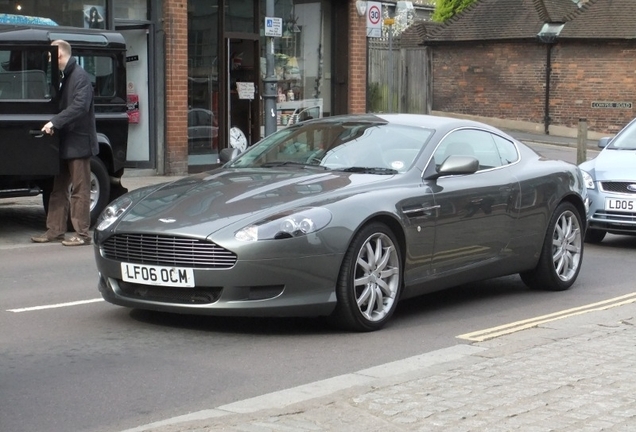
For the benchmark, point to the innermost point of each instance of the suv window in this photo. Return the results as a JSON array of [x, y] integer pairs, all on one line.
[[24, 75], [102, 72]]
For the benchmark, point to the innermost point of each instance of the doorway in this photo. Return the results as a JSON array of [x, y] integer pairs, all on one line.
[[137, 67], [244, 101]]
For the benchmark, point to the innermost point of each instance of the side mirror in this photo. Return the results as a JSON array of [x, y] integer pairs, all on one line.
[[228, 154], [603, 142], [456, 165]]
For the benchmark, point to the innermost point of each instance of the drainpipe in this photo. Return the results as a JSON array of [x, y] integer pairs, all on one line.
[[548, 35], [548, 75]]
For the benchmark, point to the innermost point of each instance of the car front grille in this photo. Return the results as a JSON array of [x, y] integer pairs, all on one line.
[[618, 187], [198, 295], [167, 250]]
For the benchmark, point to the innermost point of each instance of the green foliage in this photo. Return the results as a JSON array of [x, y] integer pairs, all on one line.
[[446, 9]]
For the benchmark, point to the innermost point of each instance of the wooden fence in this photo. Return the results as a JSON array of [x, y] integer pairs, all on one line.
[[410, 86]]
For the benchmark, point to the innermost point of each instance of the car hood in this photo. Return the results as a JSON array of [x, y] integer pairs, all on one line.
[[207, 202], [613, 165]]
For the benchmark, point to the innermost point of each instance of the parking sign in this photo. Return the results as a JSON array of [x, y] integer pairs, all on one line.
[[273, 27]]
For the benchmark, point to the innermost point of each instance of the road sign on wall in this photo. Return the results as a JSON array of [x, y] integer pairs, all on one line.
[[374, 19]]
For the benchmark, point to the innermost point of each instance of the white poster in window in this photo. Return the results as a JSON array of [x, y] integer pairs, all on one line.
[[245, 90]]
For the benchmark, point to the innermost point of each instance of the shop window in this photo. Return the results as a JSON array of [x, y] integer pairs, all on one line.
[[130, 9], [239, 16], [73, 13], [300, 61]]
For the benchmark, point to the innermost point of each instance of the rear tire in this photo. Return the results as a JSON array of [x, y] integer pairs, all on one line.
[[594, 236], [370, 280], [562, 252]]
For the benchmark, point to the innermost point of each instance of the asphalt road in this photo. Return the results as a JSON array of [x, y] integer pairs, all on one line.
[[71, 362]]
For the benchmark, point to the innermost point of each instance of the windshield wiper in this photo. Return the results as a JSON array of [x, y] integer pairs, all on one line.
[[370, 170], [292, 163]]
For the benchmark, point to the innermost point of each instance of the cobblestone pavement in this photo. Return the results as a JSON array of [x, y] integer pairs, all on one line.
[[574, 374]]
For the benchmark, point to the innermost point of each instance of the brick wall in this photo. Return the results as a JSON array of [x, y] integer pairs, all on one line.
[[490, 80], [357, 61], [506, 80], [588, 72], [176, 127]]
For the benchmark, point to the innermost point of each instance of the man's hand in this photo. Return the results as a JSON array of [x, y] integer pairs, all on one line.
[[48, 128]]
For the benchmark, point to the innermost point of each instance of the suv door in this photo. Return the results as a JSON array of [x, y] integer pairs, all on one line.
[[27, 102]]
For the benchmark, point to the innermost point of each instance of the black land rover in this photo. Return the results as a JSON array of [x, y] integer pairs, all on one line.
[[29, 92]]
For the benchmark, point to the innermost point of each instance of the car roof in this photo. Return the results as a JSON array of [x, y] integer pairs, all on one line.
[[441, 123], [44, 35]]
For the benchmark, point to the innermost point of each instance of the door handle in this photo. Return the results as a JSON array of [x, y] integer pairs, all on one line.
[[421, 210], [36, 133]]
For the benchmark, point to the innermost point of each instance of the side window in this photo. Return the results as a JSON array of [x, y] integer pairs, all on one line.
[[102, 72], [24, 74], [470, 142], [507, 150]]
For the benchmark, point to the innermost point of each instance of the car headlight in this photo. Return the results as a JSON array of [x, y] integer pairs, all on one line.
[[588, 179], [113, 212], [296, 223]]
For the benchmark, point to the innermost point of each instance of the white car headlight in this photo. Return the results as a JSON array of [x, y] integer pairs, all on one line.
[[113, 212], [588, 179], [286, 225]]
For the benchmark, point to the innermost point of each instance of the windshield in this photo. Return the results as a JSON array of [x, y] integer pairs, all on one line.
[[626, 140], [339, 146]]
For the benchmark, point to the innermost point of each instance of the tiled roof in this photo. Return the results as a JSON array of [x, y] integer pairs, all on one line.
[[503, 19], [416, 33], [603, 19]]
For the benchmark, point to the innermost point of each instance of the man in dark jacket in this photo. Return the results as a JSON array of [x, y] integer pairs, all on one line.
[[78, 142]]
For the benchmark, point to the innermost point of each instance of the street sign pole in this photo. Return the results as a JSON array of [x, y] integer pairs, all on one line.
[[270, 82], [389, 22]]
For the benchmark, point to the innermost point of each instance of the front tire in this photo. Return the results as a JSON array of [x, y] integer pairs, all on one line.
[[100, 188], [100, 191], [370, 280], [562, 252]]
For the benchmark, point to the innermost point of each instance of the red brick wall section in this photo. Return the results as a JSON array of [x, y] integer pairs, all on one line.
[[507, 81], [490, 80], [357, 61], [176, 116], [588, 72]]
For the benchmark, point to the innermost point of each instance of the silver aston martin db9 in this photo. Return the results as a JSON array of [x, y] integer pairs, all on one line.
[[342, 217]]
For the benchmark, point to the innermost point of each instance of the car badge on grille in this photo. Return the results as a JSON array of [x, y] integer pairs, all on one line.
[[631, 187], [167, 220]]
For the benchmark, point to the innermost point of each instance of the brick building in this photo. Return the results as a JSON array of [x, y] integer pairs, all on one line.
[[546, 63]]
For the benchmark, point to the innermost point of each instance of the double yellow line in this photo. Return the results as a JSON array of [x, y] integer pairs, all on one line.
[[493, 332]]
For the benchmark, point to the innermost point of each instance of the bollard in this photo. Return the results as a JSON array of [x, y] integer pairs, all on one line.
[[581, 148]]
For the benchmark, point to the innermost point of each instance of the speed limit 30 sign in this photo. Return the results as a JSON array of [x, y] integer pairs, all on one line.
[[374, 19]]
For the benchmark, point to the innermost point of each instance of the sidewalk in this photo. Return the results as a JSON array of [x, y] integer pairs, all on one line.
[[572, 374]]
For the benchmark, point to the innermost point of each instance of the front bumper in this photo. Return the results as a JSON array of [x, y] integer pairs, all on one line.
[[281, 287], [616, 222]]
